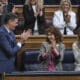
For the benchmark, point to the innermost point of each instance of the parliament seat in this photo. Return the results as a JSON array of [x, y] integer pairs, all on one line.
[[30, 60], [31, 63], [34, 43], [68, 60]]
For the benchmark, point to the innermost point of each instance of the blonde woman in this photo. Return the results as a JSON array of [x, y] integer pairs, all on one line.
[[34, 15], [65, 18]]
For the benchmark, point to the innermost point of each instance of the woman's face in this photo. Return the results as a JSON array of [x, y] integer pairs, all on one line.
[[33, 2], [51, 37], [65, 6]]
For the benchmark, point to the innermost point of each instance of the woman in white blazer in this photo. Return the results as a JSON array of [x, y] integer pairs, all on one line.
[[65, 18]]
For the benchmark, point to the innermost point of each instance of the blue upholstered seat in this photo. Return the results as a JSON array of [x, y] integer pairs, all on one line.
[[68, 61], [31, 63], [31, 56], [30, 60]]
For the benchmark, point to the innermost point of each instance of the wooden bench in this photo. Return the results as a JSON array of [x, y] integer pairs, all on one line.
[[34, 42], [48, 9]]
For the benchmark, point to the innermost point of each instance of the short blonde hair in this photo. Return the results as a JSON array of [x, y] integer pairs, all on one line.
[[68, 1]]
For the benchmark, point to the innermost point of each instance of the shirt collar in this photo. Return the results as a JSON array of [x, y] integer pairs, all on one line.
[[8, 30]]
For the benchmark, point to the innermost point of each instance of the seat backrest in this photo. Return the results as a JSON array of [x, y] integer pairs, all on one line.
[[68, 60], [31, 56], [68, 56]]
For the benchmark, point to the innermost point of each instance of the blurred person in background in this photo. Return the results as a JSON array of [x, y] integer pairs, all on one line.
[[7, 7], [33, 13], [65, 18]]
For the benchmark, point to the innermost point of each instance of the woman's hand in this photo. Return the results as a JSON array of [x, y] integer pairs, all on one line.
[[67, 17], [45, 54], [53, 44]]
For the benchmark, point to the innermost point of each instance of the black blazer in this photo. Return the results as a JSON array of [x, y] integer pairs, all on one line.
[[29, 19]]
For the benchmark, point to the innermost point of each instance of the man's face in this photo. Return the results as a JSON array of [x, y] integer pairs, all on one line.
[[13, 24]]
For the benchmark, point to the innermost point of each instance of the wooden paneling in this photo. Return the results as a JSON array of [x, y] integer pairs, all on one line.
[[49, 10], [34, 42], [45, 78]]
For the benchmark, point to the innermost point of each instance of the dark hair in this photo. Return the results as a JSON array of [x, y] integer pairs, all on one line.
[[10, 16], [56, 32]]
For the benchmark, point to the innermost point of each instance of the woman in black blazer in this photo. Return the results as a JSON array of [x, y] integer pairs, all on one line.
[[34, 16]]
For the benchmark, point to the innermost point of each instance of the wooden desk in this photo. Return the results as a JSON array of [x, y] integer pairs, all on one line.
[[45, 75], [34, 42]]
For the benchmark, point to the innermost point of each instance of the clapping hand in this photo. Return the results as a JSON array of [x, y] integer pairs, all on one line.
[[67, 17], [25, 35], [53, 45], [45, 54]]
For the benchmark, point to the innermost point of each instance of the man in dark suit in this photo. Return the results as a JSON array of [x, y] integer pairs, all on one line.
[[8, 45]]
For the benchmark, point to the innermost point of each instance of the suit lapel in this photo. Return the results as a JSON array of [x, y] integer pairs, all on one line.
[[31, 10], [10, 36]]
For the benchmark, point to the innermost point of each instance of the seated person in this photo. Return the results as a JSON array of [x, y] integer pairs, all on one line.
[[76, 51], [65, 18], [51, 51]]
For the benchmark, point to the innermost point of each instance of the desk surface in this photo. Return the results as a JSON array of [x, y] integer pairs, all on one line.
[[43, 73]]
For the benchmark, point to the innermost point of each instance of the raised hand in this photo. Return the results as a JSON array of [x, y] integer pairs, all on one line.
[[25, 35], [67, 17]]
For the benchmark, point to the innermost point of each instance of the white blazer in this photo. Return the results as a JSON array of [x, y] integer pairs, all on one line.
[[58, 21]]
